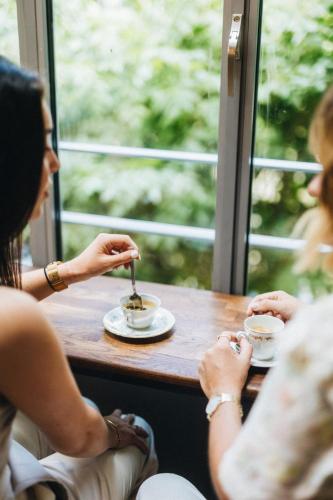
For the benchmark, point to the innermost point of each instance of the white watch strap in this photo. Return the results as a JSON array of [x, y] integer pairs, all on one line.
[[217, 400]]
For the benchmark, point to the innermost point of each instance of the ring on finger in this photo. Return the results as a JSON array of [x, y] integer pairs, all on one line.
[[224, 336]]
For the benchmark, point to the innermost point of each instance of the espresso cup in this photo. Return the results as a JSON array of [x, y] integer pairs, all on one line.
[[261, 331], [140, 319]]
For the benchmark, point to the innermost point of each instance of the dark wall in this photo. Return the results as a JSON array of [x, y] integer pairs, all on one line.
[[178, 420]]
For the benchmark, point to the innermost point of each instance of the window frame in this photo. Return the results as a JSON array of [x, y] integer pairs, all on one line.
[[235, 153], [36, 53]]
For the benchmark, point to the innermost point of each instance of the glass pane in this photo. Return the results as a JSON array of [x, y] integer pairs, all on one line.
[[9, 41], [137, 188], [295, 69], [165, 259], [146, 76]]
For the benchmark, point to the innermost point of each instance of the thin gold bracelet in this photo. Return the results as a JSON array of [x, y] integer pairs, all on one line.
[[114, 427]]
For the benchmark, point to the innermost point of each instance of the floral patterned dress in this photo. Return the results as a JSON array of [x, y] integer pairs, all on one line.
[[285, 448]]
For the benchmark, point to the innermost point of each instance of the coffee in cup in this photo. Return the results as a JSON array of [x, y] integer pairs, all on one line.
[[137, 317], [261, 331]]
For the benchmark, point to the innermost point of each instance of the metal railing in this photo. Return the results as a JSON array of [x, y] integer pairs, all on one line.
[[183, 156], [174, 230], [202, 234]]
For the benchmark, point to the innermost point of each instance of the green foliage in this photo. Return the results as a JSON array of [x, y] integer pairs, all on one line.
[[296, 67], [142, 77], [149, 77], [141, 189], [161, 256], [146, 73], [9, 43]]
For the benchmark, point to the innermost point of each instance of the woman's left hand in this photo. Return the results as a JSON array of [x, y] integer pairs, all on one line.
[[129, 433], [223, 370], [106, 252]]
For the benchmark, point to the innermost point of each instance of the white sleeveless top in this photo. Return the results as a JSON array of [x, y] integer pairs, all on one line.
[[7, 479], [7, 414]]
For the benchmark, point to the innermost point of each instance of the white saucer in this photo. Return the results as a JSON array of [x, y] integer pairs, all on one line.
[[267, 363], [114, 322]]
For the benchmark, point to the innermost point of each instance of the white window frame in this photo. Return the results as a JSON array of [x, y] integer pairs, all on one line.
[[34, 54]]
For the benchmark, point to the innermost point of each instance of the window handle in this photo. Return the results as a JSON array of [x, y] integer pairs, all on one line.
[[234, 49]]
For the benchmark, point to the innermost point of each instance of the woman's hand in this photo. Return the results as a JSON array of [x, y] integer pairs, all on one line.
[[106, 252], [128, 433], [279, 304], [223, 370]]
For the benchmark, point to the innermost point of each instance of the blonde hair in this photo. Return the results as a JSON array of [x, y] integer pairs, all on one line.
[[319, 224]]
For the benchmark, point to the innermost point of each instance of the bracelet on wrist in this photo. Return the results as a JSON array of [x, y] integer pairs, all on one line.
[[53, 278], [216, 401], [114, 427]]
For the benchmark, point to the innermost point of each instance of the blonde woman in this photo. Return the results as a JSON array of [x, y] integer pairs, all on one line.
[[284, 450], [279, 303]]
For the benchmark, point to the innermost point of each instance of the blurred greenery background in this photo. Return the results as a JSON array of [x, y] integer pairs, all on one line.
[[145, 73]]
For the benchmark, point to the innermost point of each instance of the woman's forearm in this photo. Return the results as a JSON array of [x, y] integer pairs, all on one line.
[[36, 284], [224, 428], [222, 371], [105, 253], [91, 440]]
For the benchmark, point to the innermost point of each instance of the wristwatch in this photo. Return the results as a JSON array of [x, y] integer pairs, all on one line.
[[216, 401], [52, 276]]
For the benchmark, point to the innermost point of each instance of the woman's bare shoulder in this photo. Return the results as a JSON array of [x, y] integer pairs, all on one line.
[[17, 309], [13, 298]]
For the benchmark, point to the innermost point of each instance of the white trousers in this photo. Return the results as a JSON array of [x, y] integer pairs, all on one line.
[[114, 475], [168, 487]]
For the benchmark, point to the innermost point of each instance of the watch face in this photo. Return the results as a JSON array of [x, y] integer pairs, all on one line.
[[212, 403]]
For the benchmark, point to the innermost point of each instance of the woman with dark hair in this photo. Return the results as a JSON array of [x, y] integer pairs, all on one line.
[[62, 447]]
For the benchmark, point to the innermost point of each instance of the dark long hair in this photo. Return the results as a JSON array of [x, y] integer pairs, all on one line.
[[22, 144]]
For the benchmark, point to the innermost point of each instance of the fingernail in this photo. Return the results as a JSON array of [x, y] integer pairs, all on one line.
[[134, 254]]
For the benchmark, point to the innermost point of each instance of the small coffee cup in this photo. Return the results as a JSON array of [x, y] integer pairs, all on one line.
[[261, 331], [136, 318]]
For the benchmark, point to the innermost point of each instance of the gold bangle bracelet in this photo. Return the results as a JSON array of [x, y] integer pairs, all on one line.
[[52, 276]]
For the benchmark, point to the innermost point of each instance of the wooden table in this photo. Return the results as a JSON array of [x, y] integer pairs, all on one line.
[[77, 315]]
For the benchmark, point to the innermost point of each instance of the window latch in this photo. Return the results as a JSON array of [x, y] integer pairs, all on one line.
[[234, 49]]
